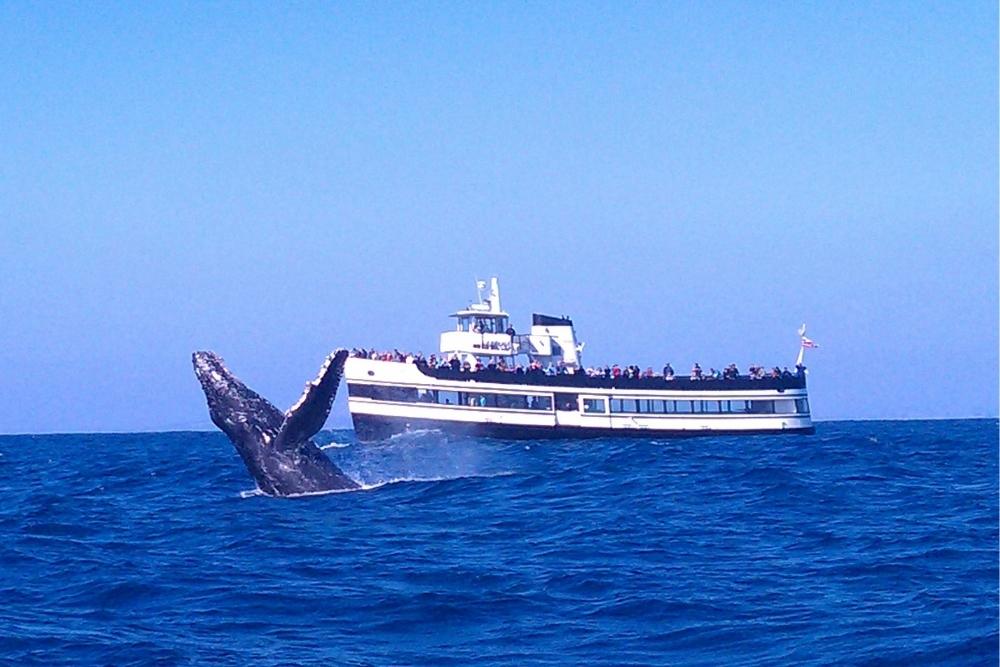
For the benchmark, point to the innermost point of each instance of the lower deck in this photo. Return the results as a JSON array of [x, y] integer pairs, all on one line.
[[370, 428]]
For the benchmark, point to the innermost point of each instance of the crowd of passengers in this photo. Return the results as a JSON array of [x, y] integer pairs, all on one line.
[[730, 372]]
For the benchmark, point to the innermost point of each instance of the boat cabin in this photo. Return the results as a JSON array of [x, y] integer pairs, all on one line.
[[483, 332]]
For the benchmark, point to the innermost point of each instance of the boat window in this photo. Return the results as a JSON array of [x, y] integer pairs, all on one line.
[[631, 405], [594, 405], [685, 406], [736, 406], [784, 407], [628, 405], [566, 402], [802, 406], [540, 403], [359, 390], [446, 397], [476, 400], [485, 325], [479, 399], [507, 401], [382, 393], [512, 401]]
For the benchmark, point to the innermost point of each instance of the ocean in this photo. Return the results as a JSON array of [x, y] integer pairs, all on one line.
[[866, 543]]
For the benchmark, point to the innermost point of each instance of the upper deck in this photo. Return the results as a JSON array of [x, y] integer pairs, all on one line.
[[584, 381], [483, 331]]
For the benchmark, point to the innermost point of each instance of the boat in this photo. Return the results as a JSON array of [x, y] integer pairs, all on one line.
[[489, 380]]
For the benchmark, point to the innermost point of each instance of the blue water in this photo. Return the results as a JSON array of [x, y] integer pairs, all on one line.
[[870, 542]]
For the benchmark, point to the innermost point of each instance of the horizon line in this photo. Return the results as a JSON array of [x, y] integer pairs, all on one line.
[[351, 428]]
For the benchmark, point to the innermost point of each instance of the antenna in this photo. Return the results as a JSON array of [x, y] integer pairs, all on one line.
[[494, 295], [803, 344]]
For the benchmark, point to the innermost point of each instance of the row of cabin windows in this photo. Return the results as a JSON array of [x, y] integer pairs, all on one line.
[[655, 406], [482, 324], [652, 406], [444, 397], [489, 400]]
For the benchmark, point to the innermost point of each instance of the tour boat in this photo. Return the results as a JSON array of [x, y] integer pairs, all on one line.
[[489, 380]]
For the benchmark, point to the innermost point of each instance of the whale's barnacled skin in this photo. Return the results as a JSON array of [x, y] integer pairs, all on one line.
[[276, 446]]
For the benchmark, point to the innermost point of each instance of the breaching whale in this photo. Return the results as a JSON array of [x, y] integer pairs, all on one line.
[[275, 446]]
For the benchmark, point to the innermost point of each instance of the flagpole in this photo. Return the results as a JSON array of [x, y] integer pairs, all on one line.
[[802, 347]]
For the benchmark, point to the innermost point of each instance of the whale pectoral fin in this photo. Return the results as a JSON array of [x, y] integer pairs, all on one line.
[[233, 407], [275, 446], [307, 416]]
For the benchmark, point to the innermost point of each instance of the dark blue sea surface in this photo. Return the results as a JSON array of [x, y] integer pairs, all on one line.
[[867, 543]]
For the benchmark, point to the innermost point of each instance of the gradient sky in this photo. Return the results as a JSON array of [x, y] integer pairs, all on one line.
[[688, 181]]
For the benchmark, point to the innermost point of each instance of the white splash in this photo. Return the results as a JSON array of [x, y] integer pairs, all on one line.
[[372, 486], [336, 445]]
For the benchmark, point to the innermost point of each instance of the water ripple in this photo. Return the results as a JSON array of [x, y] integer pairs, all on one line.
[[870, 542]]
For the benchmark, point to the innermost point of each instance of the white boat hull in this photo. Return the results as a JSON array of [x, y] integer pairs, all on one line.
[[390, 397]]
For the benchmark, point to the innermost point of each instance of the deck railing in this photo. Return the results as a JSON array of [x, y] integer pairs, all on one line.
[[583, 381]]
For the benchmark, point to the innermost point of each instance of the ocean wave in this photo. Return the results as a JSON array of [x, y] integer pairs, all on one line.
[[871, 542]]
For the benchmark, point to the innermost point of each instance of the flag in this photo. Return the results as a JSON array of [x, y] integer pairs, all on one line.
[[808, 343], [481, 284]]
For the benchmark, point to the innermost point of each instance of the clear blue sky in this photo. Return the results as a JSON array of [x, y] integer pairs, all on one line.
[[689, 181]]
